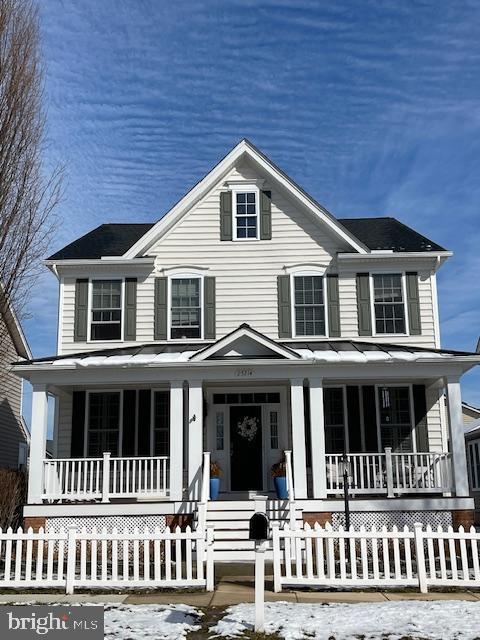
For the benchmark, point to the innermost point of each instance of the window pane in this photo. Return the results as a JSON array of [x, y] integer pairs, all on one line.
[[106, 319], [334, 420], [309, 306], [395, 418], [246, 215], [161, 423], [220, 431], [103, 423], [185, 308], [388, 303]]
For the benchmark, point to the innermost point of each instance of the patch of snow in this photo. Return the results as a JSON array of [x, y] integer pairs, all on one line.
[[448, 620], [155, 621]]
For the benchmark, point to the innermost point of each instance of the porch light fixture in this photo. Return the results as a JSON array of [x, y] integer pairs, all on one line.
[[345, 469]]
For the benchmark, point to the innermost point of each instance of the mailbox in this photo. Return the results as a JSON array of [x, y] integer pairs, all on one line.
[[258, 527]]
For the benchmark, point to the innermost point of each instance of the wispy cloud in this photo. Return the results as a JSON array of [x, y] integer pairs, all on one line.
[[372, 107]]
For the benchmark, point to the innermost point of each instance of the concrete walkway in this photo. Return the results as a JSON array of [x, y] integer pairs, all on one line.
[[234, 590]]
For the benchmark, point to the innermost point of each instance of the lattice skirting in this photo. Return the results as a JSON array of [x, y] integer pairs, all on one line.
[[394, 518], [120, 522]]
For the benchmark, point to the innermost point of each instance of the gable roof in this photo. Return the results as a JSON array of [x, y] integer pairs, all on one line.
[[112, 239], [243, 149], [388, 233]]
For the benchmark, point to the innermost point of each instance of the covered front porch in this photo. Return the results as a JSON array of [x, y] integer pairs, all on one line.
[[134, 426]]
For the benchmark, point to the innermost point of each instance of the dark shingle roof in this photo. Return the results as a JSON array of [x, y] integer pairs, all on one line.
[[106, 240], [376, 233], [388, 233]]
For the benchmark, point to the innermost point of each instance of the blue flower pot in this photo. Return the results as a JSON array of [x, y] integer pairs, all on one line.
[[214, 488], [280, 483]]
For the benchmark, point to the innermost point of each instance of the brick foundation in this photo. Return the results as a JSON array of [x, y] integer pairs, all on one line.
[[464, 518], [322, 517], [34, 522], [181, 520]]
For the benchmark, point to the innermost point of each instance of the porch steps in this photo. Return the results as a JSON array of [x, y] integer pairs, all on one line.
[[231, 521]]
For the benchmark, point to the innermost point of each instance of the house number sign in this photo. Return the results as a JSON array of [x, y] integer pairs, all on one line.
[[243, 373]]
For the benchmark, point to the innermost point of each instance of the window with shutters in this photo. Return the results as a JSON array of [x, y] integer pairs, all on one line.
[[395, 416], [106, 310], [103, 425], [309, 305], [245, 205], [389, 303], [185, 307], [334, 416]]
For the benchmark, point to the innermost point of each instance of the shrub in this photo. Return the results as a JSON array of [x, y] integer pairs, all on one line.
[[13, 495]]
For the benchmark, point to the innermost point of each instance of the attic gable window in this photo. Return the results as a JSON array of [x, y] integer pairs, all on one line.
[[246, 215]]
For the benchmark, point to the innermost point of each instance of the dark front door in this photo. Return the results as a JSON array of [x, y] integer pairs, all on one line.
[[246, 448]]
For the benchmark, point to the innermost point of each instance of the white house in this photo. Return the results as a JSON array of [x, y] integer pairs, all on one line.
[[248, 321]]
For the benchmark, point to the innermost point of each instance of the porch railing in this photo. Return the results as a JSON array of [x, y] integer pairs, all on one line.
[[105, 478], [391, 473]]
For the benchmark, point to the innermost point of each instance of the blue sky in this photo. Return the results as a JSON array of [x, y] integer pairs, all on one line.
[[373, 107]]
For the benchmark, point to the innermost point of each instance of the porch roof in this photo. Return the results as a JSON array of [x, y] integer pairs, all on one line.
[[325, 351]]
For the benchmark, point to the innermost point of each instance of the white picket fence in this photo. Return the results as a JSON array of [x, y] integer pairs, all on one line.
[[324, 557], [106, 559]]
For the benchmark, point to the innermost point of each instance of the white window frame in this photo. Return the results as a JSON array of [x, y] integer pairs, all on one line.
[[90, 309], [314, 271], [246, 188], [392, 272], [178, 275], [412, 413], [87, 418]]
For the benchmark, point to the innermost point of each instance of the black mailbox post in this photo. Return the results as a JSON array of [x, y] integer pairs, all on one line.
[[259, 526]]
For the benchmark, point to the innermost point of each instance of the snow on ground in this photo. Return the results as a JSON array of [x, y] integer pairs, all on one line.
[[440, 620], [156, 621]]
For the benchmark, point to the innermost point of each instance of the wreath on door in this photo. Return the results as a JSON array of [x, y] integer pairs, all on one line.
[[248, 428]]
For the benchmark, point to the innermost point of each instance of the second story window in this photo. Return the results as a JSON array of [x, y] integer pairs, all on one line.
[[309, 300], [246, 218], [388, 303], [106, 310], [186, 307]]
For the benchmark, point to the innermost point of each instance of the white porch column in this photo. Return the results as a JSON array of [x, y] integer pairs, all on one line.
[[38, 439], [298, 438], [457, 437], [195, 437], [176, 440], [317, 437]]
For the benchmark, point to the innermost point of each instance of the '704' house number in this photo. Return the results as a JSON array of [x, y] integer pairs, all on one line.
[[243, 373]]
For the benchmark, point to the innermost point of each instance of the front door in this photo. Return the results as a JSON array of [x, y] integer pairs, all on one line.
[[246, 448]]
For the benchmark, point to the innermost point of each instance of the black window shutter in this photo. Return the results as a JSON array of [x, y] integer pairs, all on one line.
[[160, 303], [225, 215], [129, 413], [354, 426], [363, 305], [413, 304], [420, 413], [284, 307], [370, 419], [209, 307], [144, 412], [78, 424], [130, 308], [265, 215], [81, 310], [333, 306]]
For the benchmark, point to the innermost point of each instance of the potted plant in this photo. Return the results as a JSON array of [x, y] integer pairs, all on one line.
[[279, 474], [215, 473]]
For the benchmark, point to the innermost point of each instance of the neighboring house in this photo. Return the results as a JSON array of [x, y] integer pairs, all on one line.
[[470, 414], [248, 321], [14, 434], [472, 443]]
